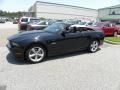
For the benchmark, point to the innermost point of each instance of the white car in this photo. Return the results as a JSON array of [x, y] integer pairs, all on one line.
[[37, 25], [24, 21], [82, 24]]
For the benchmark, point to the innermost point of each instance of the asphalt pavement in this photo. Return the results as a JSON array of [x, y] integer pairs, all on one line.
[[75, 71]]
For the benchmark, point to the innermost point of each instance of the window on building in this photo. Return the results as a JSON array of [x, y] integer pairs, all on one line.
[[113, 13]]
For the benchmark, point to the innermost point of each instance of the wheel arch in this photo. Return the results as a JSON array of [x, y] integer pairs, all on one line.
[[96, 38], [37, 43]]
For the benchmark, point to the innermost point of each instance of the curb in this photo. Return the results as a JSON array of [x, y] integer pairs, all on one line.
[[110, 42]]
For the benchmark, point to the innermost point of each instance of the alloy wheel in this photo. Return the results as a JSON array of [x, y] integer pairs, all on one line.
[[94, 46], [36, 54]]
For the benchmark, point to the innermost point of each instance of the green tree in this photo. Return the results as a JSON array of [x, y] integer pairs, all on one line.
[[11, 14]]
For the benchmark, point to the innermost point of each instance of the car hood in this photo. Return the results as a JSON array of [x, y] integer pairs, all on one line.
[[29, 34]]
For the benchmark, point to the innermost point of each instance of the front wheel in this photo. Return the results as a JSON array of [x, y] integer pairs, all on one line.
[[35, 54], [94, 45]]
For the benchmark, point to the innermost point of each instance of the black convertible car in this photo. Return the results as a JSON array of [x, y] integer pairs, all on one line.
[[56, 39]]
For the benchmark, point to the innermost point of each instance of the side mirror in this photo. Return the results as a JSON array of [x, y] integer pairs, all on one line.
[[63, 33], [67, 28]]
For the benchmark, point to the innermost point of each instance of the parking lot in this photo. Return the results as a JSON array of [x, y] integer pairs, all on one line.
[[7, 30], [75, 71]]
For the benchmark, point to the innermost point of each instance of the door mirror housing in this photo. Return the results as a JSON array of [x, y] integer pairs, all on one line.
[[63, 33]]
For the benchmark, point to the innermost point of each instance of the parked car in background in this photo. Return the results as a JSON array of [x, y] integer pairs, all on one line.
[[118, 27], [53, 40], [107, 27], [71, 22], [15, 21], [24, 21], [58, 20], [37, 25], [82, 24], [2, 20], [50, 22]]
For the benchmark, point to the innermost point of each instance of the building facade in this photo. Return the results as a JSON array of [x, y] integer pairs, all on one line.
[[60, 11], [110, 14]]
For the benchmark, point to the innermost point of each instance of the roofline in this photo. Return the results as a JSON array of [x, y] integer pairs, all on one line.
[[110, 7], [31, 6], [63, 5]]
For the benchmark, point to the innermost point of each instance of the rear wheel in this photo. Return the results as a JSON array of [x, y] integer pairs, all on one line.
[[94, 45], [35, 54]]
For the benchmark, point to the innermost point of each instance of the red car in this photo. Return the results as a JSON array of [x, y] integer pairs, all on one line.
[[118, 26], [107, 27]]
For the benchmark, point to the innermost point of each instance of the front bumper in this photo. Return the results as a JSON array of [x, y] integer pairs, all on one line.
[[16, 51]]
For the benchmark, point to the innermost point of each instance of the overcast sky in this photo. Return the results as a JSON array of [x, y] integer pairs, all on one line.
[[23, 5]]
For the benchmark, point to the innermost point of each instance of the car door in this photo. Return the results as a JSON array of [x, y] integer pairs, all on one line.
[[71, 41], [112, 29], [108, 29], [75, 41]]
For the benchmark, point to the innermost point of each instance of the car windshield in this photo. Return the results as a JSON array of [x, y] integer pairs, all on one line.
[[34, 20], [70, 22], [98, 24], [24, 20], [55, 27]]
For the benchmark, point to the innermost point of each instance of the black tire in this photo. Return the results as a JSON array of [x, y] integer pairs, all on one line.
[[28, 52], [93, 46]]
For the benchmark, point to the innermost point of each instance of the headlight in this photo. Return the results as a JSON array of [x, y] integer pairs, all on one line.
[[15, 44], [8, 44]]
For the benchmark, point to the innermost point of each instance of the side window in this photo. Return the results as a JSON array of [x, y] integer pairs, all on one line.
[[72, 29], [107, 25], [24, 20], [111, 25], [81, 29]]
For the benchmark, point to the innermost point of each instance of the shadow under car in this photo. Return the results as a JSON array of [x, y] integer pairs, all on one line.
[[11, 59]]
